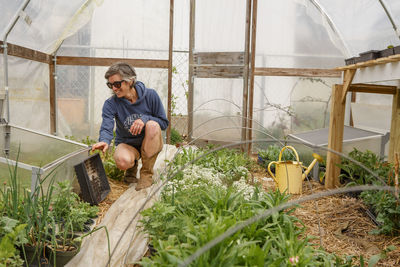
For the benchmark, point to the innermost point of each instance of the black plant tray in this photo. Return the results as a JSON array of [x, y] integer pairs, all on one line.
[[92, 179], [396, 49], [369, 55], [350, 61], [387, 52]]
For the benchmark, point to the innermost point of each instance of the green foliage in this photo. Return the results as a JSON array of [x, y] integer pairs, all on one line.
[[178, 230], [11, 235], [176, 137], [229, 162], [382, 203], [66, 205], [272, 154], [181, 223], [352, 172]]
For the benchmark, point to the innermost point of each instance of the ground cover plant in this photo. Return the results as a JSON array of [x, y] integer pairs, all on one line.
[[210, 196], [384, 205]]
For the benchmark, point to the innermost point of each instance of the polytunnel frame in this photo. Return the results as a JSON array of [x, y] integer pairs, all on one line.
[[226, 65], [249, 68]]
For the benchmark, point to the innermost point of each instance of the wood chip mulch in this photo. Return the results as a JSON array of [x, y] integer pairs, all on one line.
[[117, 189], [340, 224]]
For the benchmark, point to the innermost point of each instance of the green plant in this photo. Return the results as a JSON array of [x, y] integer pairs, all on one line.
[[176, 137], [265, 156], [12, 234], [67, 206], [353, 172]]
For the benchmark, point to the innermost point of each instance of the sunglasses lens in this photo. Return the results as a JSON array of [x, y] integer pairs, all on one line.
[[115, 84]]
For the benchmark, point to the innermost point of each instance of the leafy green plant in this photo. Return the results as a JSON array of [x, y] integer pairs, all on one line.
[[12, 234], [67, 206], [199, 209], [176, 137], [352, 172], [383, 204], [265, 156]]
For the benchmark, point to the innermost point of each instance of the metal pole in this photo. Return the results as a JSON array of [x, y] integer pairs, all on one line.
[[396, 30]]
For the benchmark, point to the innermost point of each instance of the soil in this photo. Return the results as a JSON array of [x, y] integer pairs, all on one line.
[[339, 223]]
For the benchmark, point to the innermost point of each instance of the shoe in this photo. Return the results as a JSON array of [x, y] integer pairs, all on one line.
[[146, 172], [130, 174]]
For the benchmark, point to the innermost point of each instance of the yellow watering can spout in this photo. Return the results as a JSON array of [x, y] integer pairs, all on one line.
[[316, 158]]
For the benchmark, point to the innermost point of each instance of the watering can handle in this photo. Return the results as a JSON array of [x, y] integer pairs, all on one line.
[[292, 148], [270, 172]]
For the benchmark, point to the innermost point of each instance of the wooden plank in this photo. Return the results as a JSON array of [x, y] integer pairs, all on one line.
[[191, 77], [334, 73], [96, 61], [219, 58], [170, 56], [347, 79], [26, 53], [335, 137], [394, 141], [369, 63], [218, 71], [252, 66], [373, 88], [52, 93]]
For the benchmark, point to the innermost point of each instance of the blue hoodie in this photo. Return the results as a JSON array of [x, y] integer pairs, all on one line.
[[148, 106]]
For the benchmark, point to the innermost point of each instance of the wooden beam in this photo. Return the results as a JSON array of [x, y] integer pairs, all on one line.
[[252, 66], [335, 139], [394, 141], [170, 55], [95, 61], [373, 88], [330, 73], [201, 71], [347, 79], [26, 53], [219, 58]]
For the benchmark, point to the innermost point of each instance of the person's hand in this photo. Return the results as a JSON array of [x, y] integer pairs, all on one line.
[[137, 127], [103, 146]]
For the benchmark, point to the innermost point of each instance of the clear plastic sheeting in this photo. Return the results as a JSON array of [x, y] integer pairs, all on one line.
[[217, 112], [292, 35], [29, 94], [44, 24], [39, 153]]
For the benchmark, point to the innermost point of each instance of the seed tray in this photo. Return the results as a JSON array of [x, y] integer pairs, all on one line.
[[92, 179]]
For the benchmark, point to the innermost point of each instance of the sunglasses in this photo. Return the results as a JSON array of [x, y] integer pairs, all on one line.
[[116, 84]]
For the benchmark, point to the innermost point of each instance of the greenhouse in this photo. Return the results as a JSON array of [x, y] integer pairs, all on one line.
[[199, 133]]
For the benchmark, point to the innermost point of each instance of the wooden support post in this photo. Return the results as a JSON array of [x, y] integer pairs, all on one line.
[[347, 79], [252, 67], [191, 79], [52, 93], [246, 76], [335, 140], [394, 143], [171, 42]]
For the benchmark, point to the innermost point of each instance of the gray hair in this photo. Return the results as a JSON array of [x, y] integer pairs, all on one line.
[[126, 71]]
